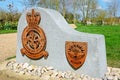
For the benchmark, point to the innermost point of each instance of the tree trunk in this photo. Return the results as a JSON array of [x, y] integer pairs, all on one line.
[[74, 11]]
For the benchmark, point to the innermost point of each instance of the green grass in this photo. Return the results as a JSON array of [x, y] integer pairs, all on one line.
[[12, 57], [112, 38], [7, 31]]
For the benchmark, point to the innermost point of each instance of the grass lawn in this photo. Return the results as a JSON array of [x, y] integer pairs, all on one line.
[[7, 31], [112, 38]]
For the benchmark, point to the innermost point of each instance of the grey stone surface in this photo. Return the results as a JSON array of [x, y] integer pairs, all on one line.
[[57, 31]]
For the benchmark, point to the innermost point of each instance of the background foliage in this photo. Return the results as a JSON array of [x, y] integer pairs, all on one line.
[[74, 11], [112, 39]]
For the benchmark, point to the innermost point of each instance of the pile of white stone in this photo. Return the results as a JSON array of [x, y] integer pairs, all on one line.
[[48, 72]]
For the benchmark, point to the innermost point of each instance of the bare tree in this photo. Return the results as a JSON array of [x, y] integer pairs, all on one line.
[[74, 10], [52, 4], [113, 9], [101, 15], [2, 18], [84, 8], [56, 4], [45, 3], [87, 7], [12, 12], [93, 8], [29, 3], [63, 7]]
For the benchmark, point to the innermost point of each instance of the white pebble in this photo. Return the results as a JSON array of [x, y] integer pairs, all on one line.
[[31, 67], [82, 76], [67, 75], [25, 65], [46, 73], [109, 69], [15, 65], [115, 78], [50, 68], [22, 72], [110, 78], [85, 78], [59, 74], [55, 73]]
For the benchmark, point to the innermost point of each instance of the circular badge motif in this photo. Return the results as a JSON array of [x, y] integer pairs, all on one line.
[[33, 38]]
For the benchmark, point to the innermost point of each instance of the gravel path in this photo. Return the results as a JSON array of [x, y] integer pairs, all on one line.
[[7, 45], [8, 49]]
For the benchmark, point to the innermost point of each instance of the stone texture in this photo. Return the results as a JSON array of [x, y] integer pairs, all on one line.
[[57, 32]]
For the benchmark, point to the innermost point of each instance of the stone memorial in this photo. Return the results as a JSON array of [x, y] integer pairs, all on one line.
[[45, 39]]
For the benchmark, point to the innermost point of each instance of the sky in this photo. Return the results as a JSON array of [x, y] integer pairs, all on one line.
[[17, 4], [20, 7], [102, 4]]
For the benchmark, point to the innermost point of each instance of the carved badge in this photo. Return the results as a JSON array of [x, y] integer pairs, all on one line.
[[76, 53], [33, 37]]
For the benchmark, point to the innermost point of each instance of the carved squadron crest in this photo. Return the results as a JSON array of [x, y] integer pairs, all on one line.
[[76, 53], [33, 37]]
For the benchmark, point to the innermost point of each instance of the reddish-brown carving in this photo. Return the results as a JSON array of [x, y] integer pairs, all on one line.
[[33, 37], [76, 53]]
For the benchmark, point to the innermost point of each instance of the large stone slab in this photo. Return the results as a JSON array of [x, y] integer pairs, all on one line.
[[57, 32]]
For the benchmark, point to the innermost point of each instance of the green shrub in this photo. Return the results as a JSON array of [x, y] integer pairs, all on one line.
[[13, 26], [1, 27], [99, 22], [10, 26], [7, 26]]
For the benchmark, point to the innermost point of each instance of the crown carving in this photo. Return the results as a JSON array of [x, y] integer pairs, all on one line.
[[33, 18]]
